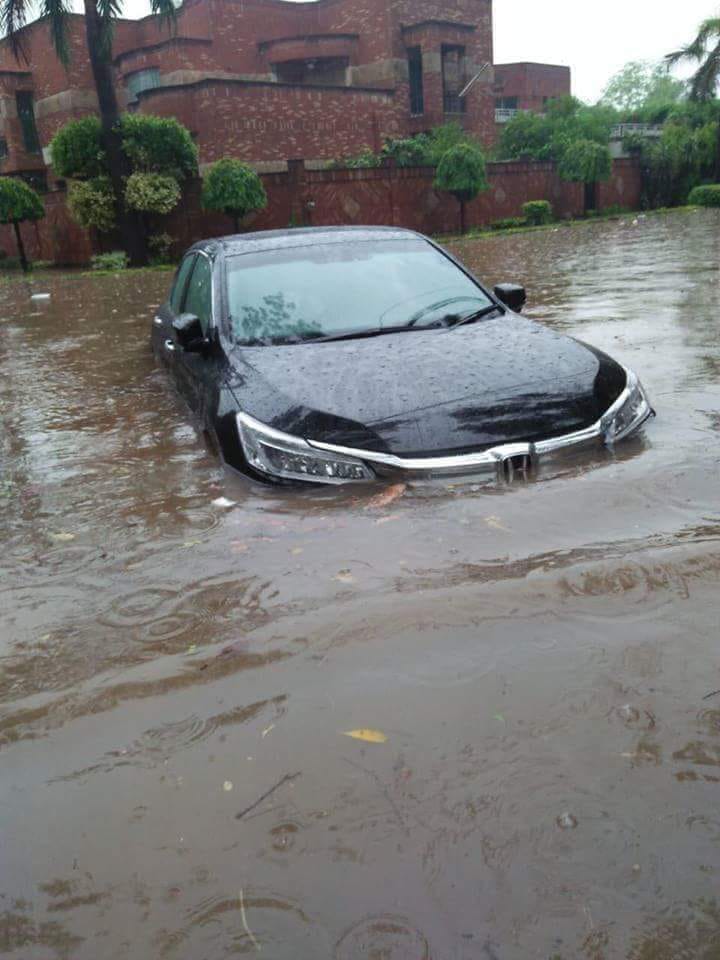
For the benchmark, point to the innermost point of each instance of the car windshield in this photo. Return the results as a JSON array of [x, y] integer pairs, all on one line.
[[334, 289]]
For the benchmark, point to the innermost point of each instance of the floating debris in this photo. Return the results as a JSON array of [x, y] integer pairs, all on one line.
[[369, 736], [566, 821]]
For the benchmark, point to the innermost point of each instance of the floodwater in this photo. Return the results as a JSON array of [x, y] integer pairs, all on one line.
[[177, 676]]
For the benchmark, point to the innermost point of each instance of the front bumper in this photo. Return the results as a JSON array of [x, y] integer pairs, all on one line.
[[506, 461]]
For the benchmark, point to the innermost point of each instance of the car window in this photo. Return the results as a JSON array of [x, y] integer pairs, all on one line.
[[199, 293], [298, 293], [176, 296]]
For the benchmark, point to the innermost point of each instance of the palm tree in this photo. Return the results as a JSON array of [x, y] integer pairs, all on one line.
[[705, 51], [100, 16], [703, 84]]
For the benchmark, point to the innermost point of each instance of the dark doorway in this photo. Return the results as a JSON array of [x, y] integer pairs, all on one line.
[[590, 196]]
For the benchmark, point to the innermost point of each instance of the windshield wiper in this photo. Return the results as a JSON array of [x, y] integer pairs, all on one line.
[[476, 315], [362, 334]]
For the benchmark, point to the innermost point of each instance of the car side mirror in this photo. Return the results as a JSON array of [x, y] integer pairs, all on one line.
[[512, 295], [189, 333]]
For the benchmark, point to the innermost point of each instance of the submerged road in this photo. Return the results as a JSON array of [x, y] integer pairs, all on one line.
[[182, 655]]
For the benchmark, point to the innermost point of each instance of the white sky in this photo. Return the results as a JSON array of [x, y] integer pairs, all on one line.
[[594, 39]]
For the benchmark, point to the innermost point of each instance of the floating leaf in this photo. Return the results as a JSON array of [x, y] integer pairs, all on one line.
[[223, 502], [62, 537], [369, 736], [227, 786]]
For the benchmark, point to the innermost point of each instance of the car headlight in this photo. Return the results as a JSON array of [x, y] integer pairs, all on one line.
[[281, 455], [628, 413]]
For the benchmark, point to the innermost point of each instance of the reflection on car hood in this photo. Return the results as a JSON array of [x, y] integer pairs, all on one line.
[[497, 381]]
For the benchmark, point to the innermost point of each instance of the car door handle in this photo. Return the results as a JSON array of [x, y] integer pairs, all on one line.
[[170, 346]]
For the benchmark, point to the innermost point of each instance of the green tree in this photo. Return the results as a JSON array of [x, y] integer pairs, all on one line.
[[566, 120], [462, 173], [18, 203], [100, 17], [704, 51], [585, 161], [641, 85], [158, 151], [232, 187]]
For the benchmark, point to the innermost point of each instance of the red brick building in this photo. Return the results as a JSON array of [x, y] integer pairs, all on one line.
[[527, 86], [271, 80]]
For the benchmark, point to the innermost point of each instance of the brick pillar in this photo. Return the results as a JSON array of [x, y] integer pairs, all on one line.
[[390, 171], [297, 185]]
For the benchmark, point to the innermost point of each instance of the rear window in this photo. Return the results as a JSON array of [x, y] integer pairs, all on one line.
[[294, 294]]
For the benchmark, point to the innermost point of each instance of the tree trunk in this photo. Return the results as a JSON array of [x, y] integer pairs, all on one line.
[[21, 247], [100, 52], [236, 222]]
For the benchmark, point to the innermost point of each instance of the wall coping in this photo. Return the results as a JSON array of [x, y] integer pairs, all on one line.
[[306, 38], [161, 44], [234, 81]]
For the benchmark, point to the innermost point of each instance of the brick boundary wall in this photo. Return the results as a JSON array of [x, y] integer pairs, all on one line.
[[388, 195]]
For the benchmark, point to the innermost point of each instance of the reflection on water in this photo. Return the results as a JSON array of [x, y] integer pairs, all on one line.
[[177, 670]]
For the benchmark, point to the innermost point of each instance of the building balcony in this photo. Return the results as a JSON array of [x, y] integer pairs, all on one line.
[[504, 114], [647, 130]]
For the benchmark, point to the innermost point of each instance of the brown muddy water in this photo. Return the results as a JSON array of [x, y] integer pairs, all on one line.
[[177, 676]]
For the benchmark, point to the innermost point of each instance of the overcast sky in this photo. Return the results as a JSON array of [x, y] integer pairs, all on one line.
[[594, 39]]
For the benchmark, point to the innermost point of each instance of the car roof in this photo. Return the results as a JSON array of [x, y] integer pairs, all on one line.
[[301, 237]]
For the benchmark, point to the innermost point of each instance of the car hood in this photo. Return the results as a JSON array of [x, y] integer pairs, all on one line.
[[436, 391]]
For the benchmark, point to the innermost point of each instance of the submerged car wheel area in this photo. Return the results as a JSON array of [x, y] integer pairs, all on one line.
[[349, 354]]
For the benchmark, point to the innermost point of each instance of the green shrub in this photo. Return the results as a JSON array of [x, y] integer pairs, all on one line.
[[91, 203], [232, 187], [462, 173], [366, 158], [707, 196], [537, 212], [158, 145], [152, 192], [18, 202], [508, 223], [116, 260], [75, 150], [160, 247]]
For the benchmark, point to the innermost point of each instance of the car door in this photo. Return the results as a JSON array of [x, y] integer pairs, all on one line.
[[163, 339], [196, 373]]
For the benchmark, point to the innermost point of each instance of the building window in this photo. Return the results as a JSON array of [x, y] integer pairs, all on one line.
[[415, 74], [453, 77], [316, 71], [26, 115], [506, 103], [3, 148], [142, 80], [37, 179]]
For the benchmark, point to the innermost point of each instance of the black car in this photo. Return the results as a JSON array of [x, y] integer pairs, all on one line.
[[342, 355]]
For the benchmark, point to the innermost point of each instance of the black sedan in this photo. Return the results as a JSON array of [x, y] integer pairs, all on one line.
[[343, 355]]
